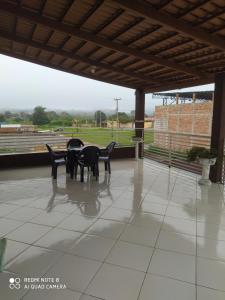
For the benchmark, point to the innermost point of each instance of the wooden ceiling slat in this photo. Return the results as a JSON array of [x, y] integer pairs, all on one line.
[[149, 12], [90, 12], [66, 54], [46, 64], [96, 39]]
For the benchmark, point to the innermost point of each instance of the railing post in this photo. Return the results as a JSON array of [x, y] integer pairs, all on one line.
[[170, 149]]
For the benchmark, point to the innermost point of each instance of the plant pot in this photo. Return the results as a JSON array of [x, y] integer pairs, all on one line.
[[206, 163]]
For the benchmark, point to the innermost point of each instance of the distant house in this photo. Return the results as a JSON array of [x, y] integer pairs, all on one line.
[[16, 128]]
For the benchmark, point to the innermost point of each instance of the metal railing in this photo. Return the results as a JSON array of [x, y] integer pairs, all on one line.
[[171, 148], [166, 147], [35, 142]]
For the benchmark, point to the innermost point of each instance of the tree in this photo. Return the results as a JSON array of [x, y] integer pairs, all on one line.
[[100, 117], [39, 116], [2, 118], [123, 117]]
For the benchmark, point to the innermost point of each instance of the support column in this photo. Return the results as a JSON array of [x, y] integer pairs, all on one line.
[[139, 116], [218, 127]]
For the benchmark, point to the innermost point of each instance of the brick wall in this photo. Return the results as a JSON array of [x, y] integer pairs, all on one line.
[[191, 118]]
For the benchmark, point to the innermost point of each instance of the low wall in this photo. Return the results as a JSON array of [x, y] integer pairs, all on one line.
[[39, 159]]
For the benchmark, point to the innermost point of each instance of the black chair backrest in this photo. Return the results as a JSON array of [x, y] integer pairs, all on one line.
[[89, 155], [50, 152], [74, 143], [110, 147]]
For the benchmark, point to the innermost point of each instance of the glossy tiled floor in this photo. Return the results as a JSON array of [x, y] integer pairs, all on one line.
[[146, 233]]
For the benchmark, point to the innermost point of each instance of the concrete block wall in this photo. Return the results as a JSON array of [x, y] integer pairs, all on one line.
[[188, 118]]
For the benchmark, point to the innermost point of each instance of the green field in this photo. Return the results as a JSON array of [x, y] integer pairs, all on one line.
[[102, 136]]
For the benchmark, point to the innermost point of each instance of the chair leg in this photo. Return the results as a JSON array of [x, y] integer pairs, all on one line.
[[55, 171], [96, 171], [67, 168], [75, 170], [82, 174], [109, 167]]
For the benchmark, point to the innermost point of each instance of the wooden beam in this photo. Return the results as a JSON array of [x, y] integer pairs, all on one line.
[[87, 36], [66, 54], [149, 12], [52, 66], [218, 127], [174, 86]]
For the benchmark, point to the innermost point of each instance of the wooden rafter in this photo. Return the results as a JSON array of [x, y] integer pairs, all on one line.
[[83, 35], [52, 66], [68, 55], [149, 12]]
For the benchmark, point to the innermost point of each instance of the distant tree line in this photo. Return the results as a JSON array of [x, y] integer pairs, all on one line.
[[40, 116]]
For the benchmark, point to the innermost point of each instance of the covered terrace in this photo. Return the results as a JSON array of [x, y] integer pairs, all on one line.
[[147, 231]]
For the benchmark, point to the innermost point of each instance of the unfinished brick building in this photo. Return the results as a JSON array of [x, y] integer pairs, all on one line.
[[184, 121]]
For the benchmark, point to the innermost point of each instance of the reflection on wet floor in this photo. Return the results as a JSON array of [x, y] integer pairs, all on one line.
[[123, 237]]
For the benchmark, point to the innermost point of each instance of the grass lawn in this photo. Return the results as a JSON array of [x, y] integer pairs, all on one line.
[[102, 136]]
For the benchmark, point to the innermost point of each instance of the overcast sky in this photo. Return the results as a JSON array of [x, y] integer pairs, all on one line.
[[25, 85]]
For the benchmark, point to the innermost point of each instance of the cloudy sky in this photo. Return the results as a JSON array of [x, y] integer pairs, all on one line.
[[25, 85]]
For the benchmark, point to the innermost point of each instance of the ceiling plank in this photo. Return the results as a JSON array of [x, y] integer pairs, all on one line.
[[59, 68], [174, 86], [84, 35], [149, 12], [66, 54]]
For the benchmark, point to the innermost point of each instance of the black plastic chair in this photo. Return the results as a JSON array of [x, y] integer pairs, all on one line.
[[88, 157], [76, 143], [105, 156], [57, 159]]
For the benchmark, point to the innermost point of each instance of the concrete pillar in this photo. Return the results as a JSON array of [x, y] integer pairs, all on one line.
[[218, 127], [139, 116]]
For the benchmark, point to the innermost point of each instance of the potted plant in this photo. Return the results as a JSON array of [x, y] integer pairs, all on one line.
[[206, 158]]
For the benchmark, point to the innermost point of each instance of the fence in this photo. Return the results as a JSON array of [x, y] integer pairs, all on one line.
[[171, 148], [35, 142], [166, 147]]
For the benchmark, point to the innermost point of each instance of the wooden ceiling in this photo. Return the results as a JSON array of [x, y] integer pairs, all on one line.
[[155, 45]]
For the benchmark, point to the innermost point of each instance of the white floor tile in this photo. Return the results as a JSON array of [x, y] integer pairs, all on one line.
[[34, 261], [130, 255], [24, 213], [13, 249], [179, 225], [173, 241], [211, 273], [28, 233], [76, 272], [211, 248], [113, 282], [212, 231], [49, 218], [77, 223], [140, 235], [153, 207], [52, 295], [149, 220], [184, 212], [7, 225], [161, 288], [209, 294], [117, 214], [107, 228], [6, 292], [6, 209], [58, 239], [92, 246], [174, 265]]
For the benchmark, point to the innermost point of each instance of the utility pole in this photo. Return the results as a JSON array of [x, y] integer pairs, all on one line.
[[117, 111]]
